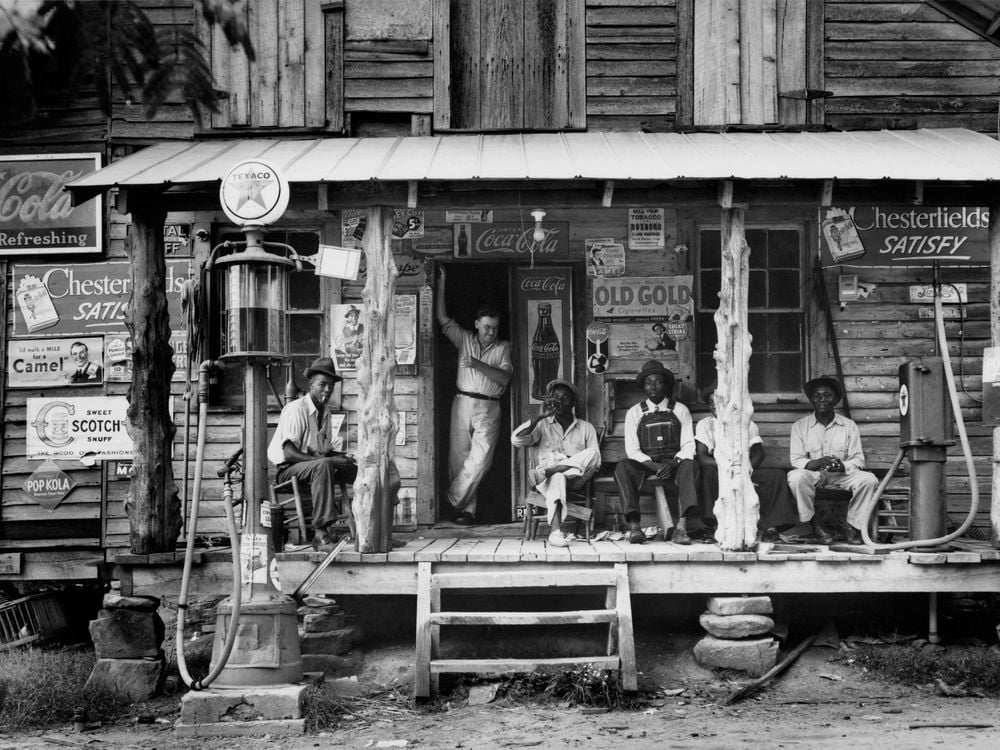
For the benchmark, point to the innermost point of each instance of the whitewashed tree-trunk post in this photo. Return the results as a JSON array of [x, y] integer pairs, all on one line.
[[374, 489], [737, 507]]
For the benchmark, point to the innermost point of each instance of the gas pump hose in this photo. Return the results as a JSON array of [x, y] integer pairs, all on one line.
[[182, 598], [966, 452]]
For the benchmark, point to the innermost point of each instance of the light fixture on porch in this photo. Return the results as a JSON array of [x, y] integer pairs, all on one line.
[[539, 234]]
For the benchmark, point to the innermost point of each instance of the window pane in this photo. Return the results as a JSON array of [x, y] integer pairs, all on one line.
[[711, 281], [784, 289], [711, 253], [305, 243], [783, 248], [783, 333], [303, 290], [304, 332], [757, 294], [757, 240], [785, 372], [757, 377], [758, 329]]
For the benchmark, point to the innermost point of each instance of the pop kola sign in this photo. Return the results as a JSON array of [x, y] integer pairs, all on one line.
[[85, 429], [904, 235], [511, 240], [48, 485], [37, 215]]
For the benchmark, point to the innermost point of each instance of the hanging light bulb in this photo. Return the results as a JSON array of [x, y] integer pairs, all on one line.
[[539, 234]]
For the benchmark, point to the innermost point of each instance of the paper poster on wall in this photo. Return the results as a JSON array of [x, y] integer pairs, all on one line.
[[54, 363], [646, 229], [652, 298], [346, 330], [605, 257], [642, 339], [407, 224], [87, 429], [401, 428], [118, 357], [405, 323]]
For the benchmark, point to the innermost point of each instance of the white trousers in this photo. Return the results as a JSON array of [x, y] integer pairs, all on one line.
[[475, 425], [862, 485], [554, 489]]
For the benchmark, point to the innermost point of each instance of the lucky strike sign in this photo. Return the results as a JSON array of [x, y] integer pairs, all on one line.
[[37, 216]]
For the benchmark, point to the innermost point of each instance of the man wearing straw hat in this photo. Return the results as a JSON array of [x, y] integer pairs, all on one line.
[[567, 452], [304, 446]]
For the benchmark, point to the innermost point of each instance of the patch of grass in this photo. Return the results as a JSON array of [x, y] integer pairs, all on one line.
[[977, 668], [323, 710], [45, 687]]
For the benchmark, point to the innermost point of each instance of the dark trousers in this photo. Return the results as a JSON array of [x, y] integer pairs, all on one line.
[[777, 504], [630, 474], [323, 475]]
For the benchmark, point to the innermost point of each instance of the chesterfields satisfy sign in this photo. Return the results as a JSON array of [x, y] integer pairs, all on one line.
[[37, 216]]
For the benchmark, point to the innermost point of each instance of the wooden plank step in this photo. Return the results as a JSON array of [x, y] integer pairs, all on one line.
[[577, 617], [575, 578], [442, 666]]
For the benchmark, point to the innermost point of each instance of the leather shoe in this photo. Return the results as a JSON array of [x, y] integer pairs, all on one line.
[[322, 541], [635, 533], [465, 518], [680, 537], [822, 535], [854, 536], [770, 536]]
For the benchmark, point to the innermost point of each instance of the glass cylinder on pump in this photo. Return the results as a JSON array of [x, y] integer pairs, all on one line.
[[254, 322]]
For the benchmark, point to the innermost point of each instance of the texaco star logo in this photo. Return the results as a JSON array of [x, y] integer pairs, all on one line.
[[253, 193]]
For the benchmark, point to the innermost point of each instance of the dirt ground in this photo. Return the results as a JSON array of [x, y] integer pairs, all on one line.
[[822, 701]]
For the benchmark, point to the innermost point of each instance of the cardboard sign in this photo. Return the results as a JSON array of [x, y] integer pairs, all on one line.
[[646, 229]]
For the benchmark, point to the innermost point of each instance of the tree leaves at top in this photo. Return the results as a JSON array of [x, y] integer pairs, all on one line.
[[53, 51]]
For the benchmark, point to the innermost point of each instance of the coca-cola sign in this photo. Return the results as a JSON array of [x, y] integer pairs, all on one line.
[[512, 240], [544, 336], [551, 283], [37, 215]]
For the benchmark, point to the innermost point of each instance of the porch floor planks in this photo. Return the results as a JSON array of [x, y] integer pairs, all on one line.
[[459, 551], [484, 551], [408, 551], [509, 550], [433, 551]]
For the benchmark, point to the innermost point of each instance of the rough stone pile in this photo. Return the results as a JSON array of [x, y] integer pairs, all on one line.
[[128, 635], [326, 639], [734, 626]]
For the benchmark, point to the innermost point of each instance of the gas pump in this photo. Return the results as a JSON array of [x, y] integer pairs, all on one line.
[[256, 641]]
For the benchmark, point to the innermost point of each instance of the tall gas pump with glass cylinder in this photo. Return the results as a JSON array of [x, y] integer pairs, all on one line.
[[254, 288]]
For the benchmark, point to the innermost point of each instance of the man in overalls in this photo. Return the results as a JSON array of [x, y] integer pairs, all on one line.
[[659, 442]]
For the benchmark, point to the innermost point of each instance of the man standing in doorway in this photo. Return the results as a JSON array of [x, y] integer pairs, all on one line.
[[484, 371]]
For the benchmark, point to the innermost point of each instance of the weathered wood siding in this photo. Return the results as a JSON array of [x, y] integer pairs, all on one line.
[[906, 65], [631, 64]]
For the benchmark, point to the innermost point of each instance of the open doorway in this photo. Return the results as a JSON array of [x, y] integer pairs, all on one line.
[[469, 286]]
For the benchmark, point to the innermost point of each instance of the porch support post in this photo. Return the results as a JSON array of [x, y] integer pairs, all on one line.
[[154, 510], [995, 341], [377, 482], [737, 507]]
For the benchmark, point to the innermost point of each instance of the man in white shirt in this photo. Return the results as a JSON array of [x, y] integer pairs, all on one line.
[[659, 442], [825, 451], [567, 452], [304, 446], [484, 371]]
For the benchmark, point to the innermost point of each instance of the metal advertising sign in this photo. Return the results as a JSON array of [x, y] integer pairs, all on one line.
[[84, 298], [37, 216], [662, 298], [904, 235], [54, 363], [511, 240], [85, 429], [49, 485], [254, 193], [544, 297]]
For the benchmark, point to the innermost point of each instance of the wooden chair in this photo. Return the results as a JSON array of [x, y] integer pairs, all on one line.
[[293, 494]]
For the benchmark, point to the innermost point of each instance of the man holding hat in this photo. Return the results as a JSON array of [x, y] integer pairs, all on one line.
[[825, 451], [659, 442], [304, 446], [567, 452]]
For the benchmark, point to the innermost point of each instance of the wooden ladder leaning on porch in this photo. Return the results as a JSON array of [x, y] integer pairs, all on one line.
[[617, 614]]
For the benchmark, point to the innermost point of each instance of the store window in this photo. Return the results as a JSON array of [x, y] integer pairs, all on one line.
[[776, 312], [306, 331]]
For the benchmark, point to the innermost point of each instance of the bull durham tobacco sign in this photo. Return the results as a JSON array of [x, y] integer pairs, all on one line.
[[37, 216]]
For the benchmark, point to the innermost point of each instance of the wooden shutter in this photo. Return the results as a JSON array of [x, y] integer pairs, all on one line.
[[509, 64]]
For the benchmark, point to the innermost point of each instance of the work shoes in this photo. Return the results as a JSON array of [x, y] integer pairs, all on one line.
[[464, 518], [822, 535], [854, 536], [635, 533], [322, 541], [681, 536], [558, 539]]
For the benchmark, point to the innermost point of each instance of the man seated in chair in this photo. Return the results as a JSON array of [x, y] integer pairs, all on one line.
[[304, 446], [567, 453], [659, 442], [777, 506], [825, 451]]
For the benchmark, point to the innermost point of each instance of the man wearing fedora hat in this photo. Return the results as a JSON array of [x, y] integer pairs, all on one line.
[[825, 451], [567, 452], [659, 442], [304, 446]]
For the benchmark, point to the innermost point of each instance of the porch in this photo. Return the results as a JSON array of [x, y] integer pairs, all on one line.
[[655, 567]]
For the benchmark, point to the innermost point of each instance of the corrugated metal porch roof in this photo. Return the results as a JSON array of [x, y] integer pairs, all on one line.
[[952, 154]]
